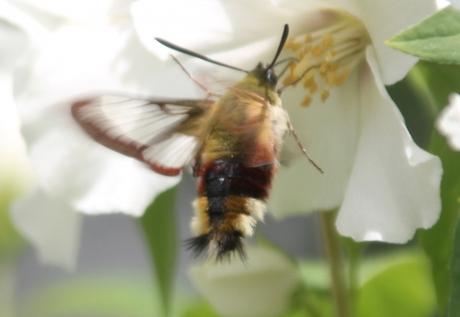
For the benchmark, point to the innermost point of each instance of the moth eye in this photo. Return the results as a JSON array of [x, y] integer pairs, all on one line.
[[270, 77]]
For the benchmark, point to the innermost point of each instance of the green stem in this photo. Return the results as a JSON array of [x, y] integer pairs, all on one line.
[[7, 282], [354, 251], [334, 257]]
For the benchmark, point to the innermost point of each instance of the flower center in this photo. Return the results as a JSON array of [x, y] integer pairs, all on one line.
[[326, 57]]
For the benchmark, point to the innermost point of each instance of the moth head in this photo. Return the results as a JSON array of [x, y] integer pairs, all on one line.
[[265, 75]]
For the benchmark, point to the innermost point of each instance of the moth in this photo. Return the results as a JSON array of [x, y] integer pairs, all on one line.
[[232, 142]]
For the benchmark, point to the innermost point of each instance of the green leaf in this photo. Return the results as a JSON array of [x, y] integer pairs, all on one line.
[[454, 300], [436, 38], [438, 241], [95, 296], [315, 274], [402, 289], [159, 226], [199, 309]]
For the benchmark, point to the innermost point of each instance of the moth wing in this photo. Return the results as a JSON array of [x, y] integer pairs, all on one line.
[[164, 134]]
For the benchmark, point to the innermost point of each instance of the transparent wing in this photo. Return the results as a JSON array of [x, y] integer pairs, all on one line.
[[165, 134]]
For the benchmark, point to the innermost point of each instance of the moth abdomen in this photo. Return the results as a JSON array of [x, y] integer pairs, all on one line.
[[231, 200]]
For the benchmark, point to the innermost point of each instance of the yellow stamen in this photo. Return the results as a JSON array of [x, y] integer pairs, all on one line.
[[306, 101], [326, 57], [335, 79], [292, 45], [290, 78], [324, 95], [310, 84]]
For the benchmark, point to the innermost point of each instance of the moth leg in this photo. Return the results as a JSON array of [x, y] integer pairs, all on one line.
[[203, 87], [301, 147]]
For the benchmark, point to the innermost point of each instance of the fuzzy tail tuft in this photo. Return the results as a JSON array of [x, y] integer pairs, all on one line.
[[198, 244], [225, 245]]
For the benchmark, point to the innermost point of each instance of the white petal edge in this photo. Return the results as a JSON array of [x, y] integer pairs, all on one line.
[[441, 4], [209, 26], [261, 286], [393, 65], [14, 165], [51, 225], [69, 163], [455, 4], [375, 16], [22, 20], [448, 122], [92, 178], [83, 11], [15, 169], [394, 187], [124, 186]]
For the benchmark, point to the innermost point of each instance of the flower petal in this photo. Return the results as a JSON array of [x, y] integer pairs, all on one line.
[[51, 225], [69, 163], [455, 4], [448, 122], [83, 11], [94, 179], [394, 185], [124, 186], [268, 278], [12, 148], [375, 15], [329, 132], [211, 26], [14, 162]]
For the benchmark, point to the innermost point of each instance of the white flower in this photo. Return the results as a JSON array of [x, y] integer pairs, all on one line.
[[14, 167], [441, 4], [77, 51], [384, 185], [262, 286], [448, 122], [455, 4]]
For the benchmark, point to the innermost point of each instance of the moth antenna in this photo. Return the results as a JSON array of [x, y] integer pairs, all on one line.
[[197, 55], [284, 37], [287, 59], [285, 69]]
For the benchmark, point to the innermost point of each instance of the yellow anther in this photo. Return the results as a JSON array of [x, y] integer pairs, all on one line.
[[333, 67], [324, 67], [323, 46], [329, 56], [292, 45], [303, 52], [307, 38], [292, 67], [317, 50], [326, 58], [327, 41], [290, 79], [310, 84], [336, 79], [324, 95], [306, 101]]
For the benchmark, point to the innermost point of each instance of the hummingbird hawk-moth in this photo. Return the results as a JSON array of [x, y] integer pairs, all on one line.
[[232, 143]]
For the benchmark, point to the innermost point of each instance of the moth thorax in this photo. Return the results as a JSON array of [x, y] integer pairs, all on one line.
[[327, 56]]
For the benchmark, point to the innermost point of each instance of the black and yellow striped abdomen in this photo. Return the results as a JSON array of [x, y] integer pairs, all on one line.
[[231, 198]]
